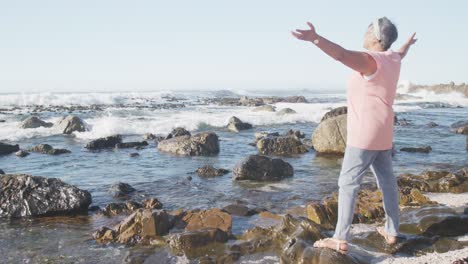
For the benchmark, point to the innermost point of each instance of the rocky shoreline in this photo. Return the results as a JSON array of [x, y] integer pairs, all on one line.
[[430, 226]]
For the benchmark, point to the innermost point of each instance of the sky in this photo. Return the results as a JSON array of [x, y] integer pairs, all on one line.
[[114, 45]]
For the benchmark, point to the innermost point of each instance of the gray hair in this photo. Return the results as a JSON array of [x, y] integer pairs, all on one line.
[[388, 32]]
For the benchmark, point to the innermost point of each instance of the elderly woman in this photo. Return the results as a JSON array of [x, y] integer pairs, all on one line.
[[371, 91]]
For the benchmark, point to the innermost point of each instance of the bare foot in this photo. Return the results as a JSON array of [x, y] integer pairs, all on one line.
[[388, 238], [333, 243]]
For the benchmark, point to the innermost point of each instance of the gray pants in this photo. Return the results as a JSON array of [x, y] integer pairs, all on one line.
[[355, 163]]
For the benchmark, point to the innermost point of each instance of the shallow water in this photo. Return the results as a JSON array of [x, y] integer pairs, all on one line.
[[164, 176]]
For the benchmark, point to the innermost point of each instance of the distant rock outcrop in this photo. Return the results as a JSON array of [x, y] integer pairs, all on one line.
[[34, 122]]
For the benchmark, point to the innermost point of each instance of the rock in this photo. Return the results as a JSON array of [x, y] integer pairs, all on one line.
[[260, 135], [149, 136], [121, 190], [460, 127], [211, 218], [239, 209], [2, 172], [285, 146], [131, 144], [287, 111], [106, 142], [261, 168], [295, 133], [21, 153], [178, 132], [343, 110], [152, 203], [432, 124], [70, 124], [264, 108], [34, 122], [201, 144], [330, 135], [402, 122], [6, 149], [210, 171], [2, 120], [236, 125], [437, 181], [134, 154], [192, 240], [113, 209], [25, 195], [368, 208], [48, 149], [424, 149], [139, 227]]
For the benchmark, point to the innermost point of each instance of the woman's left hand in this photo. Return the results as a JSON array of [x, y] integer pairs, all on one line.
[[306, 35]]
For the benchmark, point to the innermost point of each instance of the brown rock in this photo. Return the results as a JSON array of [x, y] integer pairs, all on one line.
[[212, 218]]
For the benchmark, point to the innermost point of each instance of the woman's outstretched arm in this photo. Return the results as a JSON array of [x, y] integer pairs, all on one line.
[[404, 49], [358, 61]]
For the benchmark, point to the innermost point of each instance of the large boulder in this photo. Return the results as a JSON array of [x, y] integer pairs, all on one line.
[[48, 149], [34, 122], [330, 135], [24, 195], [202, 144], [7, 148], [139, 227], [261, 168], [102, 143], [70, 124], [236, 125], [285, 145], [343, 110]]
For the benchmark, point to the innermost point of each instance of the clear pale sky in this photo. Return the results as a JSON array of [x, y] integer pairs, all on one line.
[[114, 45]]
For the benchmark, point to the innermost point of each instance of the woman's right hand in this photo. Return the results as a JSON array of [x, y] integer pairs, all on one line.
[[306, 35]]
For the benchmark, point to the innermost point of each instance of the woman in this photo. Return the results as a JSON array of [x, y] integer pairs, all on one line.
[[371, 91]]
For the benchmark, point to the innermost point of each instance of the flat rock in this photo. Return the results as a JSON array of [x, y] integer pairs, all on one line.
[[283, 146], [210, 171], [6, 149], [103, 143], [202, 144], [48, 149], [424, 149]]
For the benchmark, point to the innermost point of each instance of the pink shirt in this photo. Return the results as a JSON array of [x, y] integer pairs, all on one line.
[[370, 99]]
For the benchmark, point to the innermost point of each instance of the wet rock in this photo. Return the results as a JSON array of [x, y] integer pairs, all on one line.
[[210, 171], [70, 124], [152, 203], [192, 240], [460, 127], [2, 120], [48, 149], [403, 122], [21, 153], [139, 227], [368, 207], [432, 124], [121, 190], [299, 250], [286, 111], [437, 181], [25, 195], [261, 168], [6, 149], [2, 172], [239, 209], [236, 125], [284, 146], [343, 110], [113, 209], [330, 135], [201, 144], [131, 144], [211, 218], [134, 154], [34, 122], [102, 143], [263, 134], [264, 108], [178, 132], [295, 133], [424, 149], [441, 88]]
